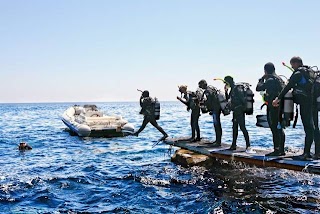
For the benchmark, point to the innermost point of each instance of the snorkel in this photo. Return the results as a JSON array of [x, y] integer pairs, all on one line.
[[284, 64], [225, 82], [221, 80]]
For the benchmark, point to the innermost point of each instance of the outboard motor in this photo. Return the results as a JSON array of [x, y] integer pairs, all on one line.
[[223, 103], [288, 107], [156, 109]]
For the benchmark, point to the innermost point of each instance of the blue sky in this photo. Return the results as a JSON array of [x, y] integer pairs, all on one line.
[[69, 51]]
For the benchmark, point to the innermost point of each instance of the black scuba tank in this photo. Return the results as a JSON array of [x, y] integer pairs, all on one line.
[[156, 109]]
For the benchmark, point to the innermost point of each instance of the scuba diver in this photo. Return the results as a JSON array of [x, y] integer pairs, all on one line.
[[148, 110], [238, 106], [24, 146], [272, 84], [191, 100], [213, 106], [316, 129], [302, 84]]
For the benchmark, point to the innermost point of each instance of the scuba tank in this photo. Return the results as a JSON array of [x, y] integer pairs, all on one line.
[[317, 91], [250, 101], [156, 109], [288, 107], [248, 97], [223, 103]]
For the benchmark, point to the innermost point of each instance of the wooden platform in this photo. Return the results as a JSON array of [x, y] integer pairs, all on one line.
[[289, 161]]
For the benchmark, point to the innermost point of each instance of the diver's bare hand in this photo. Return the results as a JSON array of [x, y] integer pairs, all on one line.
[[275, 102]]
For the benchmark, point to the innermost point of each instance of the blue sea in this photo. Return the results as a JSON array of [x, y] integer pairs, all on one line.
[[69, 174]]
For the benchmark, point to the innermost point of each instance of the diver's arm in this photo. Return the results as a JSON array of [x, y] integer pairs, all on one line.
[[261, 86], [183, 101], [227, 94], [294, 79]]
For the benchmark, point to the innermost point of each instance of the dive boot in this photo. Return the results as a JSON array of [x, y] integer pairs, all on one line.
[[233, 147], [216, 144]]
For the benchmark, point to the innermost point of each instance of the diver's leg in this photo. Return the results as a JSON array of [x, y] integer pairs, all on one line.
[[218, 129], [241, 121], [307, 121], [197, 126], [234, 132], [155, 124], [192, 123], [316, 131], [272, 119], [144, 124]]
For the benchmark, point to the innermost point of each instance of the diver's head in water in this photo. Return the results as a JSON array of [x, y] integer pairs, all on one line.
[[24, 146], [202, 84]]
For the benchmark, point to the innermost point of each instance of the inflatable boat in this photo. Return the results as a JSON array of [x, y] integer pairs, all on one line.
[[88, 121]]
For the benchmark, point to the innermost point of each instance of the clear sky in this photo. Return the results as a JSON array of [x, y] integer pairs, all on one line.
[[76, 50]]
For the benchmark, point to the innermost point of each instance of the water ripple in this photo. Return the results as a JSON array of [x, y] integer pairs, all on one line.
[[68, 174]]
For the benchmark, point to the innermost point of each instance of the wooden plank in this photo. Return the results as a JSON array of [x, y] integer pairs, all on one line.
[[258, 159]]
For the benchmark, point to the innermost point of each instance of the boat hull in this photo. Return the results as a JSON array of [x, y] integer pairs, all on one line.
[[83, 132]]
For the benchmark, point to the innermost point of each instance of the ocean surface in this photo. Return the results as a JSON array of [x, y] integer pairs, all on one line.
[[69, 174]]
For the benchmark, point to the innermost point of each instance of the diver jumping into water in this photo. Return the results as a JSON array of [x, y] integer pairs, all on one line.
[[148, 110]]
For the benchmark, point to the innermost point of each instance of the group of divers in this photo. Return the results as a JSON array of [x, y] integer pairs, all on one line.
[[302, 88]]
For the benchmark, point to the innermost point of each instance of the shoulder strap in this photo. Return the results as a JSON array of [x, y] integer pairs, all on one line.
[[279, 80], [214, 89]]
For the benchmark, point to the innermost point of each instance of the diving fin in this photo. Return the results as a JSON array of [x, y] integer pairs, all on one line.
[[161, 139]]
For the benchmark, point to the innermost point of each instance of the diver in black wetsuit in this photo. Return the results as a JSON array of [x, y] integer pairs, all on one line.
[[238, 106], [147, 109], [272, 84], [213, 105], [302, 95], [190, 99], [316, 127]]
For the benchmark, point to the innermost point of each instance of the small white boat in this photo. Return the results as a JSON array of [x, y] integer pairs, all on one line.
[[88, 121]]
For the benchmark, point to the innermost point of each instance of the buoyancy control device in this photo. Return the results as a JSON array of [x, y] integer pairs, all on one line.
[[248, 94], [305, 87], [316, 90], [225, 107]]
